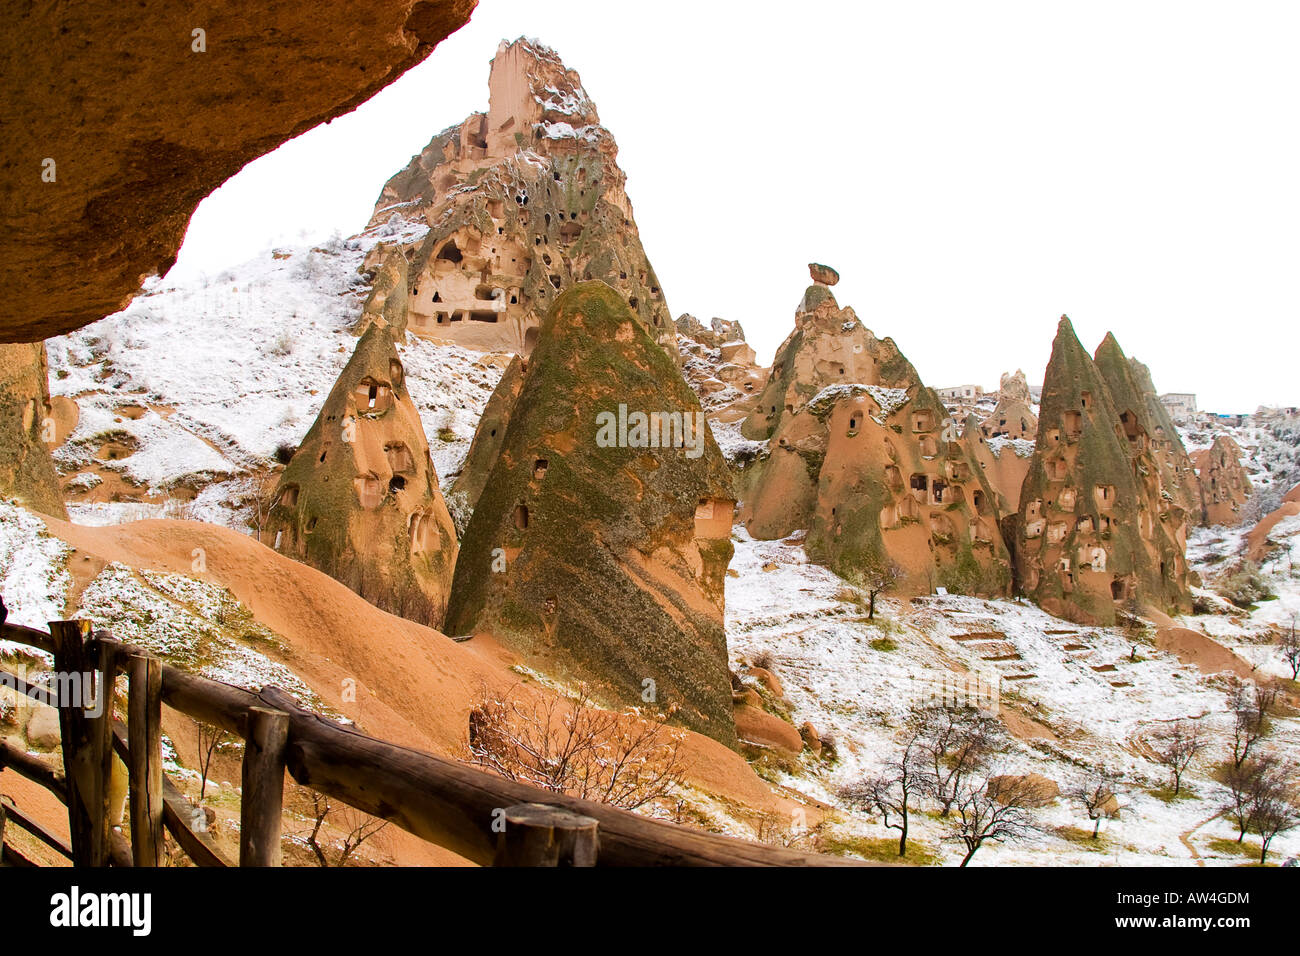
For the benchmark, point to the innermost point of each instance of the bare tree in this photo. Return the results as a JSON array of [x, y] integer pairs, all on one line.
[[210, 738], [1273, 808], [895, 790], [571, 746], [356, 826], [1291, 650], [957, 741], [1177, 747], [1245, 782], [1099, 794], [999, 812], [261, 491], [876, 575], [775, 830], [1251, 706]]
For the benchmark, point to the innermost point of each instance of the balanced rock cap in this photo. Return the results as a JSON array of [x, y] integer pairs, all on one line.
[[823, 275]]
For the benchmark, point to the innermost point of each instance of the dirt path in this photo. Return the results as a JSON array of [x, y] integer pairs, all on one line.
[[1186, 838]]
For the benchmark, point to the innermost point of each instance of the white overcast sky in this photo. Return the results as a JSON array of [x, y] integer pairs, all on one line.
[[972, 169]]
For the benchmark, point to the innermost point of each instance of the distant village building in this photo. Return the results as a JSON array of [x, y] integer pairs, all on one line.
[[961, 393], [1180, 405], [1267, 413]]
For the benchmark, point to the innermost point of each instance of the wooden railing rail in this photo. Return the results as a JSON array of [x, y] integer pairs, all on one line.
[[445, 802]]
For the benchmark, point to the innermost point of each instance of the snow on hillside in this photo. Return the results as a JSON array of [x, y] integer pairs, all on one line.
[[1073, 697], [33, 571], [197, 384]]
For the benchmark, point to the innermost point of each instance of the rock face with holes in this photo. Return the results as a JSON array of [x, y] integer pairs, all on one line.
[[501, 213], [360, 501], [1177, 471], [720, 365], [1098, 532], [120, 117], [1223, 483], [862, 455], [599, 546], [27, 430], [1014, 415]]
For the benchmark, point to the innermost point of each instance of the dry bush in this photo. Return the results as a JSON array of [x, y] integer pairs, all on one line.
[[573, 747], [355, 826]]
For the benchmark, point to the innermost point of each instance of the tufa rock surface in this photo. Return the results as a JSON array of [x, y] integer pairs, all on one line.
[[490, 433], [386, 302], [861, 454], [719, 365], [26, 469], [1223, 484], [501, 213], [359, 500], [140, 126], [1013, 417], [597, 558], [1095, 533]]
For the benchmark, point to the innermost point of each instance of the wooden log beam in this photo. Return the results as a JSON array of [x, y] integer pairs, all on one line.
[[179, 815], [75, 665], [42, 833], [144, 759], [535, 834], [34, 769], [454, 805], [261, 808]]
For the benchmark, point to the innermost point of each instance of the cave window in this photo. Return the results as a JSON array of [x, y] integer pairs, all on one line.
[[1085, 400], [449, 252], [1117, 589], [521, 517], [400, 459], [632, 301], [289, 497], [539, 468], [1073, 423], [483, 317], [436, 296], [396, 483]]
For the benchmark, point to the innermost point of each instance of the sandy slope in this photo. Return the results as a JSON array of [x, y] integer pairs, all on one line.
[[414, 685]]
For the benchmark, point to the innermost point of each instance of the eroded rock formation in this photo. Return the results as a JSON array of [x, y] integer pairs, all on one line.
[[862, 455], [1097, 531], [1014, 415], [387, 300], [120, 118], [501, 213], [27, 430], [720, 365], [360, 501], [1223, 482], [600, 543], [490, 433]]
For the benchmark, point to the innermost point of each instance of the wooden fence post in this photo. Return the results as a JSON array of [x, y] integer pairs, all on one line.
[[539, 835], [144, 729], [80, 660], [262, 803]]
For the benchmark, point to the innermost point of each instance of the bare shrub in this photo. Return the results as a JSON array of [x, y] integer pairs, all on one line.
[[1176, 748], [356, 827], [573, 747]]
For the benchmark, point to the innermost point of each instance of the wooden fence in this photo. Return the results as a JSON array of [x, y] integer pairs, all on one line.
[[482, 817]]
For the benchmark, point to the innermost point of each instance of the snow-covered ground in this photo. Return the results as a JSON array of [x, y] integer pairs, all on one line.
[[1076, 698], [198, 384]]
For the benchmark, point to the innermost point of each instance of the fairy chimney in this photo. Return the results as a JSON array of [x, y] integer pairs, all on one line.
[[360, 501]]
